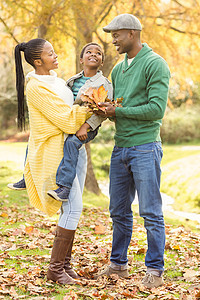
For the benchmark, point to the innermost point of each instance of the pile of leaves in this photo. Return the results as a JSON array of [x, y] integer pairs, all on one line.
[[93, 96], [26, 242]]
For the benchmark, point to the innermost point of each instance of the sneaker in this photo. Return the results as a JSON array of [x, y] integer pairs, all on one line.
[[109, 271], [60, 194], [18, 186], [152, 281]]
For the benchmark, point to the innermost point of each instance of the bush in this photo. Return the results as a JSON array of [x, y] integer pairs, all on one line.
[[181, 125], [106, 132]]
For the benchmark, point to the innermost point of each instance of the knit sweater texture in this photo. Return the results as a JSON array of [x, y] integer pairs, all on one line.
[[144, 86], [49, 118]]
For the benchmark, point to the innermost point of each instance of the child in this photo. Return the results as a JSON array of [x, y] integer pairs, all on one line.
[[91, 58]]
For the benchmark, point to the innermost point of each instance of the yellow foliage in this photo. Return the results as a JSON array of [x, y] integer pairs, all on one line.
[[169, 27]]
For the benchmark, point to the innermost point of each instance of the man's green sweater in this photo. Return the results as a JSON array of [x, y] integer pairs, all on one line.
[[144, 86]]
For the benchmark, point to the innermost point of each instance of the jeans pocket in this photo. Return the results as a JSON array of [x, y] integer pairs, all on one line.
[[158, 151], [116, 151]]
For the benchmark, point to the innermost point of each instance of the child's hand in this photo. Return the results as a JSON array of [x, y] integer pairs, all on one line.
[[82, 132]]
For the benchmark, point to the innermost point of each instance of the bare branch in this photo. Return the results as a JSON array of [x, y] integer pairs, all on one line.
[[9, 31], [23, 7], [184, 32], [104, 16], [181, 31], [103, 8], [180, 4]]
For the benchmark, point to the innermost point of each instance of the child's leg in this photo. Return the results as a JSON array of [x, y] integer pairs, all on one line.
[[20, 185], [67, 169], [25, 158], [66, 172]]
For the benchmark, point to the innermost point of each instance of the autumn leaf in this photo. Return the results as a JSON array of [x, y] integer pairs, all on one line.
[[92, 96], [89, 92], [190, 274], [100, 94], [29, 229], [25, 271], [100, 229], [176, 247], [141, 250], [197, 295], [4, 215]]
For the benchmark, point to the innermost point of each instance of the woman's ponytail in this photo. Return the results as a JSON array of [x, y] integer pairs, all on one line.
[[20, 85], [32, 51]]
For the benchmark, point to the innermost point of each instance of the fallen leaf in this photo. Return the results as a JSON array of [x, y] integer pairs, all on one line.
[[100, 229]]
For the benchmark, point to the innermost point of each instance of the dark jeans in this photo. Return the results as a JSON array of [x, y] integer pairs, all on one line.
[[137, 169]]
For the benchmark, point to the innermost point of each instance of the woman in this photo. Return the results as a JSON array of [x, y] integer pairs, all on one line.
[[51, 114]]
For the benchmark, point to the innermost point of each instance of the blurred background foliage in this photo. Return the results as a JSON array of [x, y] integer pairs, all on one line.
[[170, 27]]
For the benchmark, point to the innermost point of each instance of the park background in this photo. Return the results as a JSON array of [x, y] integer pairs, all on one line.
[[172, 29]]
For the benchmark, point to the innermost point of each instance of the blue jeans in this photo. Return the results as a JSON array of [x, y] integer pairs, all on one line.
[[67, 169], [137, 169], [71, 209]]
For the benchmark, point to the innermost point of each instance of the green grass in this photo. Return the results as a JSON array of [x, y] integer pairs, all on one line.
[[180, 172], [180, 175]]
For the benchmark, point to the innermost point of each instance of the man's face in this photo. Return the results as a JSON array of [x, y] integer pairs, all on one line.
[[122, 40]]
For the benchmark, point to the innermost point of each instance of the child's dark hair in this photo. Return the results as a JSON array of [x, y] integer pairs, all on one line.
[[32, 51], [89, 44]]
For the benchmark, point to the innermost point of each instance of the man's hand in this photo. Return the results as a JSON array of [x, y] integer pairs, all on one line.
[[109, 110], [82, 132]]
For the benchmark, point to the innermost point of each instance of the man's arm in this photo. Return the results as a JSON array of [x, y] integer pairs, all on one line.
[[157, 88]]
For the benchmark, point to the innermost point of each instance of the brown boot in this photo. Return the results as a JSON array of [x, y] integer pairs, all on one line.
[[62, 242], [67, 267]]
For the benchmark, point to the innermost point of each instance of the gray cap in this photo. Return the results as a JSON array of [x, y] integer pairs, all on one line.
[[123, 21]]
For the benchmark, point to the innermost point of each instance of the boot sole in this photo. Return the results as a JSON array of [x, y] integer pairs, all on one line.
[[53, 195], [10, 186]]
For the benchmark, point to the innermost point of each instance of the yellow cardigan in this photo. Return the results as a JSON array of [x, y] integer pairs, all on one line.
[[49, 118]]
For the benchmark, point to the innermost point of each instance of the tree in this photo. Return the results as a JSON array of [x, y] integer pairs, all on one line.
[[171, 28]]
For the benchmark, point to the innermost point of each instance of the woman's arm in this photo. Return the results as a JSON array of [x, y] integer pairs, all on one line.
[[67, 119]]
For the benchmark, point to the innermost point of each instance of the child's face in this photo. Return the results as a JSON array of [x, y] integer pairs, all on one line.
[[92, 57]]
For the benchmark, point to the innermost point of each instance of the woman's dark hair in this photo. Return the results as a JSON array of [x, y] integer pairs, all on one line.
[[32, 51], [89, 44]]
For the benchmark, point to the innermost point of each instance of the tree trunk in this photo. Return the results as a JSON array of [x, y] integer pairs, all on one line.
[[91, 183]]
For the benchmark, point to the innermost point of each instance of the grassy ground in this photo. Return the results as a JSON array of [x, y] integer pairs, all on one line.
[[180, 173], [27, 236]]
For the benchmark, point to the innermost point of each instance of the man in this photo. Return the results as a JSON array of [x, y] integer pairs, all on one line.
[[142, 79]]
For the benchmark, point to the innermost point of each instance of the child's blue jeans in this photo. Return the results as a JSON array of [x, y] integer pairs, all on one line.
[[67, 169]]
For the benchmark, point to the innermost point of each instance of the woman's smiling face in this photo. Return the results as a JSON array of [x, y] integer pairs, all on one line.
[[48, 58]]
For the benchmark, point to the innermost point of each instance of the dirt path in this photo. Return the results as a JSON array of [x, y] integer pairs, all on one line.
[[14, 154]]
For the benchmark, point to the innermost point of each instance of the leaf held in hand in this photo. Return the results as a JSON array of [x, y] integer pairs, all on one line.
[[92, 96]]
